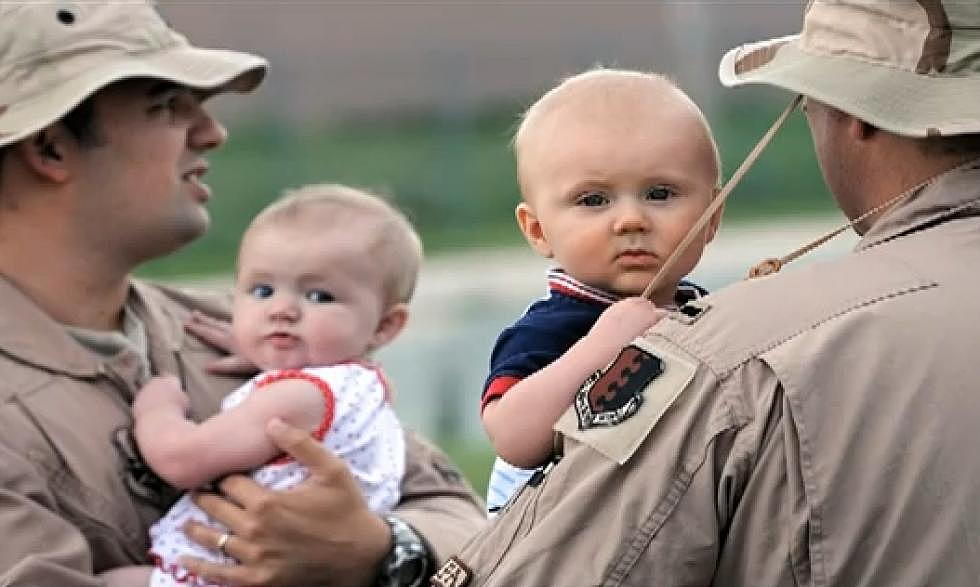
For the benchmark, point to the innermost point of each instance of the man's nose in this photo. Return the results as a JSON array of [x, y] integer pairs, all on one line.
[[206, 133]]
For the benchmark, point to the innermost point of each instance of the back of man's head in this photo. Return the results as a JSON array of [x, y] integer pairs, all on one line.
[[909, 68]]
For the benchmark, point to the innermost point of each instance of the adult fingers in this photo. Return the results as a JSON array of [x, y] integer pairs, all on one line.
[[242, 491], [211, 538], [232, 365], [217, 333], [211, 330], [225, 510], [307, 451]]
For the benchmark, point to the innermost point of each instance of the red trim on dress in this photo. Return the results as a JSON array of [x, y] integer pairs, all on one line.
[[179, 573], [497, 388], [328, 399]]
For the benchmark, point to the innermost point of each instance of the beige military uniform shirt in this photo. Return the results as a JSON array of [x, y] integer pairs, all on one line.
[[818, 427], [74, 500]]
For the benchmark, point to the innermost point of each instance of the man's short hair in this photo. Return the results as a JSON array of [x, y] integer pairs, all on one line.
[[959, 145]]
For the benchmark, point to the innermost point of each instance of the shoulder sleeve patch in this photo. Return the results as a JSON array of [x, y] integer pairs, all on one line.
[[617, 407]]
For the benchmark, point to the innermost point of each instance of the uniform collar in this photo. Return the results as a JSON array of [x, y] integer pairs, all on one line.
[[29, 335], [953, 193]]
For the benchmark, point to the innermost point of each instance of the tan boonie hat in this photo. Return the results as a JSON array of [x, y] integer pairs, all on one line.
[[911, 67], [53, 55]]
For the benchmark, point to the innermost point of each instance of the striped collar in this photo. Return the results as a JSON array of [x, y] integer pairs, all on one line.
[[563, 283]]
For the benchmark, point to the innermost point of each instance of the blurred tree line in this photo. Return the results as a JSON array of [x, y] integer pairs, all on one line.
[[453, 173]]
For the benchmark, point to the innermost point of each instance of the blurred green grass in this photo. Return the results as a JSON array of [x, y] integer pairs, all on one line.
[[456, 181], [454, 176], [473, 459]]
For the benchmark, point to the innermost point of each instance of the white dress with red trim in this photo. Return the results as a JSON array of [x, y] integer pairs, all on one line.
[[359, 426]]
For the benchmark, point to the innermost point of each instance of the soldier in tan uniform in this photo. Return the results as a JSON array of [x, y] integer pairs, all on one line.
[[103, 143], [816, 427]]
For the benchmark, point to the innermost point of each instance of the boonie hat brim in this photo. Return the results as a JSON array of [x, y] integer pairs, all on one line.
[[900, 101], [216, 70]]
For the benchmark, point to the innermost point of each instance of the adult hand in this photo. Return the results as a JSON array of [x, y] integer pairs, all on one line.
[[217, 333], [320, 532]]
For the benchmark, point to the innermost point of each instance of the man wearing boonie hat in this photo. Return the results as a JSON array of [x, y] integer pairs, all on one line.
[[815, 427], [103, 144]]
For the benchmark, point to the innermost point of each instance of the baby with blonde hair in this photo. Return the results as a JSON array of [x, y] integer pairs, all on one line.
[[324, 276]]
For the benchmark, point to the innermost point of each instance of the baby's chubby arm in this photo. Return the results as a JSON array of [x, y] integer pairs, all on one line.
[[187, 454], [520, 423]]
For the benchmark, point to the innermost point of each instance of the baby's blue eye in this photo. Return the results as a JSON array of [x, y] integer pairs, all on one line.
[[319, 296], [659, 192], [592, 199], [261, 291]]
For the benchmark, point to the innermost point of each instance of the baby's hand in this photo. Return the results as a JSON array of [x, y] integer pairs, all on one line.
[[160, 393], [625, 320]]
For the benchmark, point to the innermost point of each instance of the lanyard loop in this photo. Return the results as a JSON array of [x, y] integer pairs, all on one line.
[[719, 200]]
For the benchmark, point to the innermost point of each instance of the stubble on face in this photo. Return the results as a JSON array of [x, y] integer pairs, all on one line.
[[145, 175]]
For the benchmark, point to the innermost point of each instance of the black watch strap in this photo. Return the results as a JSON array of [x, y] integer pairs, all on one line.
[[408, 563]]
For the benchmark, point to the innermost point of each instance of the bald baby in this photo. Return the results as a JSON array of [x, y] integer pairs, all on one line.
[[614, 168]]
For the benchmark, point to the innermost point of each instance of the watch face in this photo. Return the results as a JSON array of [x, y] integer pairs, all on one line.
[[408, 560], [409, 572]]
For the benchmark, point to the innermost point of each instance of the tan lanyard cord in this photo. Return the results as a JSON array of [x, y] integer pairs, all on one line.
[[770, 266], [719, 200]]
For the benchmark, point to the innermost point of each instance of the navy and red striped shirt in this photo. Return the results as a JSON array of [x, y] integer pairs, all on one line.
[[550, 326]]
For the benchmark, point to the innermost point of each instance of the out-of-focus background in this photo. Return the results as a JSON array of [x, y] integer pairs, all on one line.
[[418, 99]]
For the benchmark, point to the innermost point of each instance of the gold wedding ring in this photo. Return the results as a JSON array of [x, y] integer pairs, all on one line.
[[222, 541]]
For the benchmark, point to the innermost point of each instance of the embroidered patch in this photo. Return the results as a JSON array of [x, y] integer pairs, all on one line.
[[452, 574], [609, 397], [620, 442]]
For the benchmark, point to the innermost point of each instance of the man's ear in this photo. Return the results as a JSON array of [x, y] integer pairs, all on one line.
[[391, 323], [858, 129], [45, 154], [712, 229], [528, 221]]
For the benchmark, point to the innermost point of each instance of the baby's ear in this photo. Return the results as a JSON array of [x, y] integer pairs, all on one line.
[[390, 325], [528, 221]]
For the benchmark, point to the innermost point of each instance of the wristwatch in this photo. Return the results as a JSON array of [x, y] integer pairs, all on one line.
[[408, 563]]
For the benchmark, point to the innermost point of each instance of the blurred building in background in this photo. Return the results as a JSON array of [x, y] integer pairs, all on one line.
[[337, 59]]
